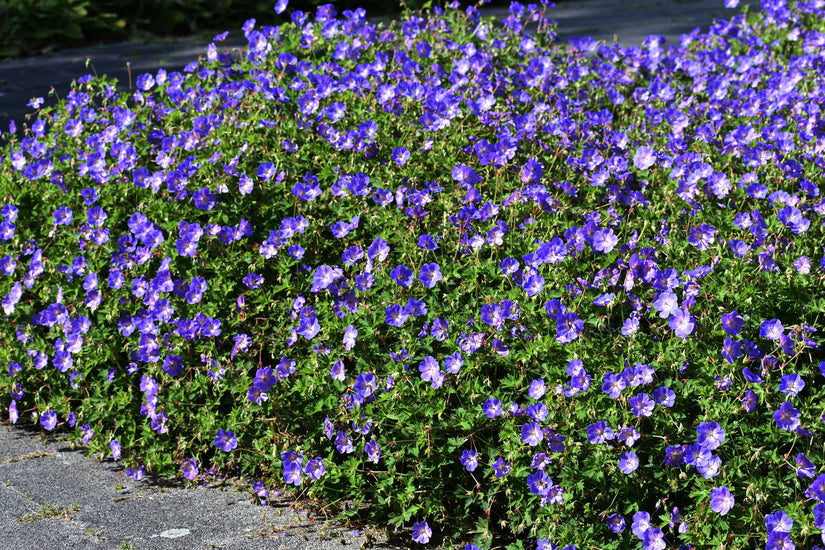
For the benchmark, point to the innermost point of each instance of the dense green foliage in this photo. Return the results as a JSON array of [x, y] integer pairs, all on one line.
[[504, 292]]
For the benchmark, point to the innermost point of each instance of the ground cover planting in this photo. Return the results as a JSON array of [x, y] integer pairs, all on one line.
[[445, 275]]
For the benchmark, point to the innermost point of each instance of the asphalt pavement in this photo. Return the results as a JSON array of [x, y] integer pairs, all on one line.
[[54, 497], [631, 21]]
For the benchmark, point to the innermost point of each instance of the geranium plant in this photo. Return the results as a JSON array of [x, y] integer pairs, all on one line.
[[501, 290]]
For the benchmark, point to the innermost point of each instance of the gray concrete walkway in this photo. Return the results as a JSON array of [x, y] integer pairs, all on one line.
[[54, 498]]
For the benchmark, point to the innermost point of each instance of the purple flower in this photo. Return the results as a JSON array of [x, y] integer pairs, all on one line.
[[364, 281], [427, 242], [343, 443], [641, 405], [804, 467], [378, 250], [533, 285], [721, 500], [365, 384], [695, 454], [173, 365], [430, 274], [708, 465], [731, 350], [296, 251], [641, 523], [350, 334], [470, 460], [604, 299], [280, 6], [771, 330], [115, 446], [568, 327], [373, 451], [96, 216], [654, 539], [628, 462], [307, 191], [674, 455], [817, 489], [416, 308], [87, 432], [787, 417], [638, 374], [664, 396], [537, 389], [531, 171], [508, 266], [539, 483], [421, 532], [315, 468], [616, 523], [666, 304], [400, 155], [245, 185], [554, 308], [260, 491], [739, 248], [778, 522], [749, 401], [253, 281], [429, 369], [491, 315], [778, 540], [604, 240], [204, 199], [63, 216], [402, 275], [464, 175], [531, 433], [555, 441], [190, 469], [145, 81], [395, 315], [337, 371], [440, 328], [225, 440], [492, 408], [613, 384], [710, 435], [702, 237], [681, 323], [791, 384], [453, 363], [537, 411], [48, 420], [136, 473], [751, 376], [644, 158], [292, 469], [630, 326], [802, 265], [501, 468], [792, 218], [599, 432]]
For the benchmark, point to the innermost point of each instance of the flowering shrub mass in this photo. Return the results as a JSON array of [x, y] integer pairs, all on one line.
[[506, 292]]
